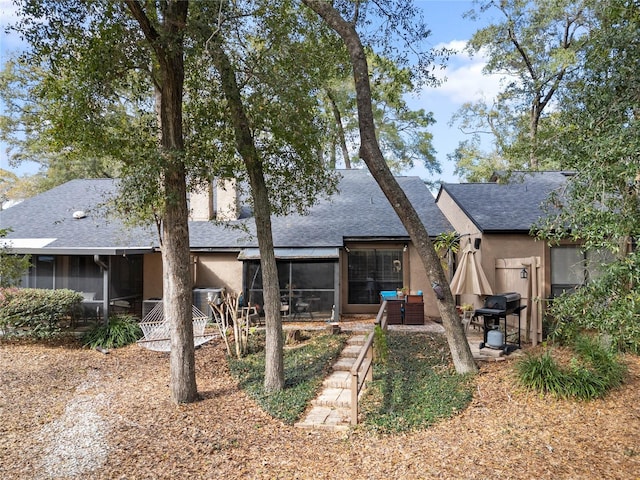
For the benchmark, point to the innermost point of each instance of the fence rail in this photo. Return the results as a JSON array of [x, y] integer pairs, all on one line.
[[362, 369]]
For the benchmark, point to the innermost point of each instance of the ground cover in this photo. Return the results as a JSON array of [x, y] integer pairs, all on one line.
[[67, 412], [415, 386]]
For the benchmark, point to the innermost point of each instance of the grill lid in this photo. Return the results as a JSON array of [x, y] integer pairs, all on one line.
[[502, 303]]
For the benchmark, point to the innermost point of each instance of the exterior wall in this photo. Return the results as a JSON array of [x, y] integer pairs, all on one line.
[[469, 232], [509, 246], [217, 270], [512, 251], [201, 203], [418, 280], [152, 271], [494, 246], [210, 270], [226, 201]]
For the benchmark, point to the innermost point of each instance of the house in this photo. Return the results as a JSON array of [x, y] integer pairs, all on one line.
[[337, 258], [497, 218]]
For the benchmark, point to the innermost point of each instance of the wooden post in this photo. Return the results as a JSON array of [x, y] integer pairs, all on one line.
[[354, 398]]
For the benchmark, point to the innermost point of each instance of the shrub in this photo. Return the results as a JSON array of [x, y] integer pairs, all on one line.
[[591, 373], [604, 360], [36, 312], [12, 266], [380, 345], [541, 373], [121, 330], [609, 305]]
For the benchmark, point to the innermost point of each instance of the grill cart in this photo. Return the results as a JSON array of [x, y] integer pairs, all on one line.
[[495, 310]]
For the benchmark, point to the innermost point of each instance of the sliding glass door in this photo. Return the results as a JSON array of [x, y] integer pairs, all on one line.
[[372, 271]]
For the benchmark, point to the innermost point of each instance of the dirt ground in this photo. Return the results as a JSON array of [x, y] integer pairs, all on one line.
[[76, 413]]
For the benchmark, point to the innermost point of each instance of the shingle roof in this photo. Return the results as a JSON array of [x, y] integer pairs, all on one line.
[[50, 216], [513, 206], [359, 210]]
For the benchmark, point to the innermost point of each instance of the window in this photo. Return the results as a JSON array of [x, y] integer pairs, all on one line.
[[41, 273], [79, 273], [371, 271], [126, 276], [571, 267]]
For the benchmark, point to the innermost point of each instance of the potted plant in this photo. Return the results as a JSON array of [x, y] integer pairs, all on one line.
[[467, 310], [401, 292]]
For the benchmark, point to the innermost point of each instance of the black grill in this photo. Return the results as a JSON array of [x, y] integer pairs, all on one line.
[[496, 308], [500, 305]]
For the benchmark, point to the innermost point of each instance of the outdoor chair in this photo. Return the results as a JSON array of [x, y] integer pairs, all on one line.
[[467, 315], [300, 306], [249, 315]]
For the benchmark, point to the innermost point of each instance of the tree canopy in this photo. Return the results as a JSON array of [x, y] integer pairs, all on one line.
[[402, 132], [273, 45], [537, 46], [598, 138], [168, 95]]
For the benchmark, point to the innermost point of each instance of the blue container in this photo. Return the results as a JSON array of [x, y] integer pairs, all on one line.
[[385, 294]]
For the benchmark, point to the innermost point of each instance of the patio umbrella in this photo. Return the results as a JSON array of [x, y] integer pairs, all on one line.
[[469, 276]]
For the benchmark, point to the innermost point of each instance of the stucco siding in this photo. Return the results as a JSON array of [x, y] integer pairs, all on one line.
[[457, 217], [497, 246], [418, 280], [217, 271], [152, 271], [209, 271]]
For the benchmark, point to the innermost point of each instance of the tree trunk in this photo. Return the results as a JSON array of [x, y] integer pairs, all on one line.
[[341, 138], [274, 362], [372, 156], [177, 285], [177, 289], [534, 120]]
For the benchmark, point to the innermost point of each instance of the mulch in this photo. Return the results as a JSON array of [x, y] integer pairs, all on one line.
[[505, 433]]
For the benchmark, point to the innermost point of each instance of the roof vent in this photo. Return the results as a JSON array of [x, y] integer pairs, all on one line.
[[79, 214]]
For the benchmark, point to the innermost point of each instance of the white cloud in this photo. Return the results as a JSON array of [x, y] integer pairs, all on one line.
[[456, 45], [463, 78], [467, 83]]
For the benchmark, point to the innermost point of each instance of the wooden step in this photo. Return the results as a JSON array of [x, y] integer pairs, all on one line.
[[351, 351], [331, 409], [344, 364]]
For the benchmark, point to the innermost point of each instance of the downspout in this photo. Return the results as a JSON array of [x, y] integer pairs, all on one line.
[[105, 287]]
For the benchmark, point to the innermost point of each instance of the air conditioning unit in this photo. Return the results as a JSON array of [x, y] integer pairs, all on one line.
[[202, 297]]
